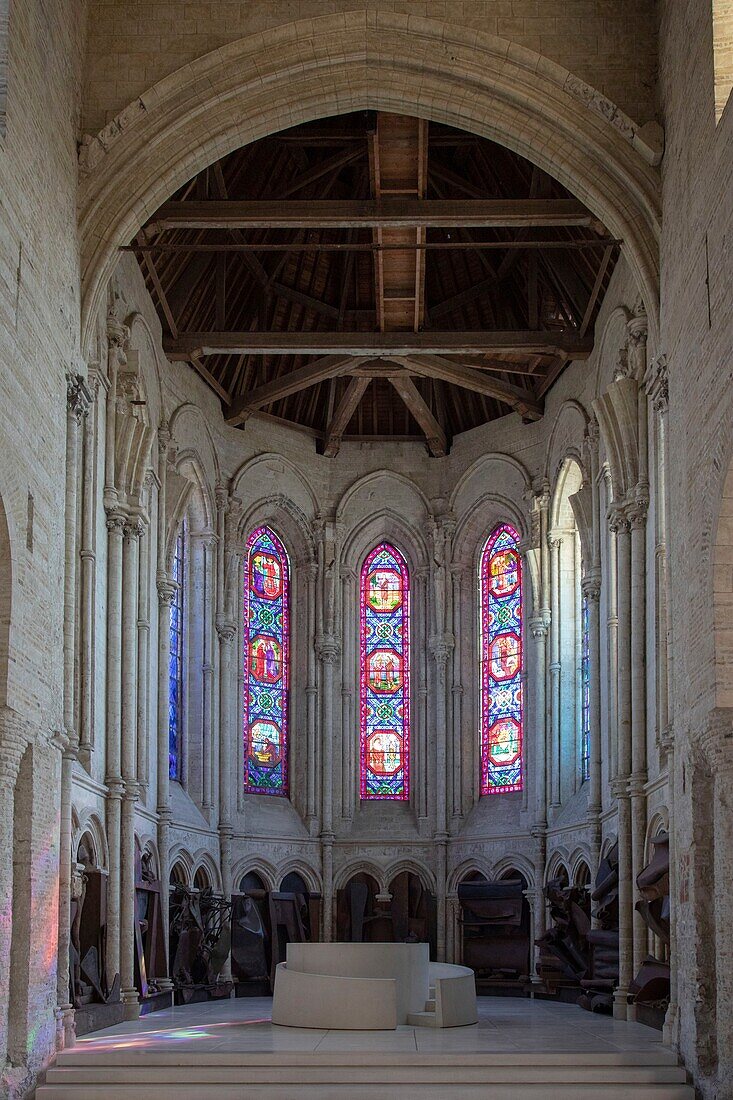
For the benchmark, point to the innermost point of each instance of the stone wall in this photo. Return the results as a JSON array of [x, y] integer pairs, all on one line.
[[39, 330], [132, 45], [697, 332]]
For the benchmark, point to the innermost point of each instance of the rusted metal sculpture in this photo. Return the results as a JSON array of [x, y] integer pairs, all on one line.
[[495, 922], [651, 985], [564, 950], [200, 940], [602, 977]]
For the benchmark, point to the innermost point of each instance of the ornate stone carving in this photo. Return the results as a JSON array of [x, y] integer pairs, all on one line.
[[226, 631], [116, 521], [328, 648], [78, 395], [539, 626], [618, 521], [656, 383], [591, 585]]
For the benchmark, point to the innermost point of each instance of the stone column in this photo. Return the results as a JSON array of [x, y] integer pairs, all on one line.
[[128, 728], [208, 549], [12, 746], [143, 662], [166, 593], [420, 696], [348, 690], [227, 632], [113, 778], [457, 692], [78, 398], [620, 787], [87, 579], [328, 654], [636, 514], [554, 545], [311, 695], [591, 586], [440, 651]]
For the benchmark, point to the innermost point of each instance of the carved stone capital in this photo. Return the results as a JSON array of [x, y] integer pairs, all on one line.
[[590, 585], [638, 508], [116, 521], [134, 528], [221, 496], [328, 649], [78, 395], [618, 521], [620, 788], [166, 592], [637, 782], [226, 630], [539, 626], [441, 648], [118, 334]]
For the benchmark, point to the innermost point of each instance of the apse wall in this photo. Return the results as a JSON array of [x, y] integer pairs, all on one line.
[[329, 512]]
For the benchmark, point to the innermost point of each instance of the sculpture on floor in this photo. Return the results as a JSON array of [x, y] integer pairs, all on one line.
[[564, 950], [200, 940], [602, 977], [495, 923], [264, 922], [150, 958], [651, 985]]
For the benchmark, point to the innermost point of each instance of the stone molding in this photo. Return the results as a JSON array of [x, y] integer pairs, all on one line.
[[78, 395], [656, 384]]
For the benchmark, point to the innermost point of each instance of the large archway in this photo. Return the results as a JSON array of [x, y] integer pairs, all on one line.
[[357, 61]]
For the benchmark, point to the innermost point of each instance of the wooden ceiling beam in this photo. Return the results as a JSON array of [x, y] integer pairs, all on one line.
[[435, 366], [342, 415], [278, 388], [566, 344], [398, 213], [337, 162], [434, 434]]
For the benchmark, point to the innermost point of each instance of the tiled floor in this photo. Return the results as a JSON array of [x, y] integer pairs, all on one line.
[[505, 1025]]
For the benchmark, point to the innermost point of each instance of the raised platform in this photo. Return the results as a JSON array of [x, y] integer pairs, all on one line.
[[518, 1050]]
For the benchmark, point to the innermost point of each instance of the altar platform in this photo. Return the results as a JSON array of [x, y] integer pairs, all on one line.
[[230, 1050]]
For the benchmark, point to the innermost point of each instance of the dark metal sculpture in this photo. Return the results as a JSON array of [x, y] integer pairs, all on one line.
[[200, 941], [651, 985], [564, 951], [602, 977], [495, 922]]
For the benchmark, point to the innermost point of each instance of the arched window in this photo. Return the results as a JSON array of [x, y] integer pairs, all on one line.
[[175, 662], [502, 712], [384, 698], [266, 663]]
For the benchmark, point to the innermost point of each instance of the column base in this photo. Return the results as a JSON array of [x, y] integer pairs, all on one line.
[[131, 1002], [620, 1004], [65, 1026], [671, 1027]]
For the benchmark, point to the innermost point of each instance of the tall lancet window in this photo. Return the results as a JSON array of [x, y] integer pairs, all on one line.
[[266, 663], [502, 710], [384, 697], [175, 661], [585, 694]]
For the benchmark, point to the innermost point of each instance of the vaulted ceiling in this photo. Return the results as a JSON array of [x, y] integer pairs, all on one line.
[[375, 276]]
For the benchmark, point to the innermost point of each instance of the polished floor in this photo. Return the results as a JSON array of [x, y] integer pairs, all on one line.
[[505, 1025]]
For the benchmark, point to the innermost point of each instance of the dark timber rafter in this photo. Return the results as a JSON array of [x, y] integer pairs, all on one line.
[[367, 213]]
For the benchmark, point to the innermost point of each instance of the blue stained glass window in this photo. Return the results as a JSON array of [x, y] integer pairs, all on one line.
[[266, 664], [175, 661], [384, 696], [585, 691], [502, 709]]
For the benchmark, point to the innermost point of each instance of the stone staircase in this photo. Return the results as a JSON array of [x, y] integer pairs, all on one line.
[[128, 1074]]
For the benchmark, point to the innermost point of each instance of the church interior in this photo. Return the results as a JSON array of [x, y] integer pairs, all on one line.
[[366, 549]]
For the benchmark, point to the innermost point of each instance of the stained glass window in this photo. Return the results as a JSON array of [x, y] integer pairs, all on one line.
[[502, 712], [175, 660], [266, 663], [384, 697], [585, 691]]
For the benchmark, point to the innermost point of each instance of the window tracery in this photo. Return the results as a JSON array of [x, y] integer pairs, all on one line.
[[501, 662], [266, 663], [384, 701]]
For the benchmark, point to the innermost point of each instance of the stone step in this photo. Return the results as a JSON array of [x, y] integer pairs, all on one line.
[[184, 1075]]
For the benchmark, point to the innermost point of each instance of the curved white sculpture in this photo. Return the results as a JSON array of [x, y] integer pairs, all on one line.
[[370, 986]]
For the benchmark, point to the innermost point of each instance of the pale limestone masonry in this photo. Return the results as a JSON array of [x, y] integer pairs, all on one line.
[[626, 484]]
